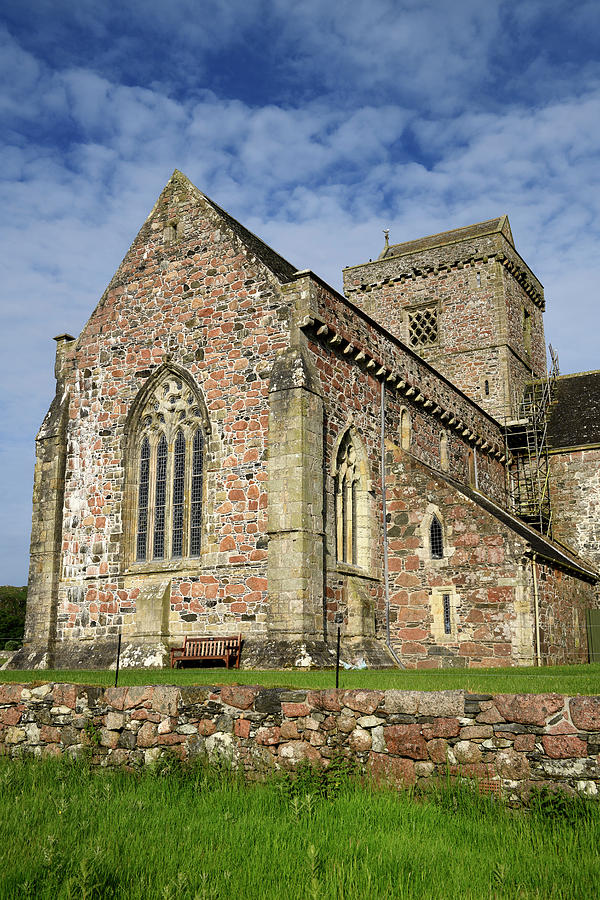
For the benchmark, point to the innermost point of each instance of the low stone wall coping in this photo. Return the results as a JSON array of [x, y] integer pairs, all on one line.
[[508, 742]]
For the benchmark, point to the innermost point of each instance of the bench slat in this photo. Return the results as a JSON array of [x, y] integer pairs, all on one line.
[[225, 648]]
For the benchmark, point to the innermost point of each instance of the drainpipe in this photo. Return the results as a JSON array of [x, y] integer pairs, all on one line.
[[386, 579], [538, 656]]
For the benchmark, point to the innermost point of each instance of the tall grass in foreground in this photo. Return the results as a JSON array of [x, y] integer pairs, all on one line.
[[70, 832], [584, 679]]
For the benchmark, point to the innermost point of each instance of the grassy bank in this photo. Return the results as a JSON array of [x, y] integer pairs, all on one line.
[[74, 833], [562, 679]]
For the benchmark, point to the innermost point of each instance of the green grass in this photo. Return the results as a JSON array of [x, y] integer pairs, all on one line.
[[562, 679], [78, 833]]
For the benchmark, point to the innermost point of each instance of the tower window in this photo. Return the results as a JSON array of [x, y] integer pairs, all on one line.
[[423, 327], [486, 387], [436, 539]]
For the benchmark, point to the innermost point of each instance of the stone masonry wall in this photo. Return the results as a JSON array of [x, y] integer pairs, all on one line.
[[481, 572], [563, 601], [204, 303], [508, 743], [575, 498]]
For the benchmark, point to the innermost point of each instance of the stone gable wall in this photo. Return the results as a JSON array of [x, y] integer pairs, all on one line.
[[508, 743], [205, 304]]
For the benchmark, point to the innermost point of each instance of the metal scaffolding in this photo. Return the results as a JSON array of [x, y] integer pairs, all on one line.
[[527, 448]]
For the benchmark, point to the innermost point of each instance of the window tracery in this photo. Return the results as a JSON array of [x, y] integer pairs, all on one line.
[[169, 447]]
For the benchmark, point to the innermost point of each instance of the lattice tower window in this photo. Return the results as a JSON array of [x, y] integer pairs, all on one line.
[[423, 327]]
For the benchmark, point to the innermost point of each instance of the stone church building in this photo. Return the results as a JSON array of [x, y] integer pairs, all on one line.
[[235, 447]]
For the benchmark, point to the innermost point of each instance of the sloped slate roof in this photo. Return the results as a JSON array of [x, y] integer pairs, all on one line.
[[574, 416], [541, 545], [456, 235]]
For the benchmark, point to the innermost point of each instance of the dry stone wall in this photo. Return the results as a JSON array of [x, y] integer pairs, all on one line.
[[507, 742]]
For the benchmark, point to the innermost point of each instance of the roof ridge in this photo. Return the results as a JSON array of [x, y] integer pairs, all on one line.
[[497, 225], [278, 264]]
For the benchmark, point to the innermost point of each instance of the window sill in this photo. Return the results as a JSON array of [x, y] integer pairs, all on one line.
[[347, 569], [156, 566]]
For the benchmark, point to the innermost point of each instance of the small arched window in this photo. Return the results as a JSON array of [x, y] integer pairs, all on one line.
[[486, 387], [436, 539], [405, 429], [169, 472]]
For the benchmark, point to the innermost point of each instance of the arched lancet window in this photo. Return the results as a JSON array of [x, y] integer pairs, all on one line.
[[169, 448], [196, 494], [405, 429], [143, 493], [178, 494], [345, 495], [436, 539], [160, 498], [352, 502]]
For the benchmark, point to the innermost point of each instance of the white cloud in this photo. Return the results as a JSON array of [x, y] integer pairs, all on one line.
[[85, 157]]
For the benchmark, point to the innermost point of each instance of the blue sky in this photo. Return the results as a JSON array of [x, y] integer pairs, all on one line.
[[315, 124]]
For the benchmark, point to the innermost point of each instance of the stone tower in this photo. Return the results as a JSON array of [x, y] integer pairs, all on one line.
[[467, 303]]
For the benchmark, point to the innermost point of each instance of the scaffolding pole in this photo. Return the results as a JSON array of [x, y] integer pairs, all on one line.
[[527, 448]]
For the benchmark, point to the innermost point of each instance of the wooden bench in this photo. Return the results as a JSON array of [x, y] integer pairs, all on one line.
[[198, 649]]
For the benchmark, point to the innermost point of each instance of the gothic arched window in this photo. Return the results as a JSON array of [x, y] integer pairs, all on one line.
[[436, 539], [352, 502], [346, 507], [169, 451]]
